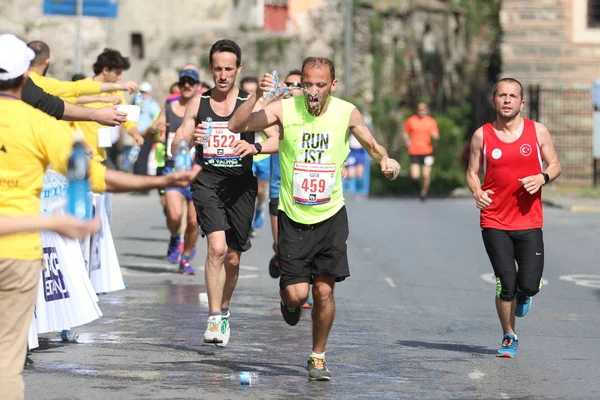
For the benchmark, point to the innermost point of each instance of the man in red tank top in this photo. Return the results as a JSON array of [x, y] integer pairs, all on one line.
[[511, 151]]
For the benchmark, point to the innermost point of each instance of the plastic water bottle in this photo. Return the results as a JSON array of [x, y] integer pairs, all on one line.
[[208, 126], [273, 91], [246, 378], [78, 203], [183, 160], [131, 158], [138, 99], [68, 335]]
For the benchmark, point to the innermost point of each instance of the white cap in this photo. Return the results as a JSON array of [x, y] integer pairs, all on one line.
[[15, 57], [145, 87]]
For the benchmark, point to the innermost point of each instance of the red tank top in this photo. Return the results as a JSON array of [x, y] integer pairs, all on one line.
[[504, 164]]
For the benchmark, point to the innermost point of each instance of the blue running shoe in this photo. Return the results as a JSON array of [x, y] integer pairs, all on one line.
[[174, 252], [274, 271], [523, 305], [508, 349], [185, 268], [259, 220]]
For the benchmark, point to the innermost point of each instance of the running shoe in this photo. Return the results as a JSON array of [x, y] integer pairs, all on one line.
[[185, 268], [174, 253], [508, 349], [225, 331], [308, 303], [274, 271], [291, 315], [317, 369], [213, 331], [523, 305], [259, 219]]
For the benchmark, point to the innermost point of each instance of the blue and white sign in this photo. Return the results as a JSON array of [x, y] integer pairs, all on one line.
[[91, 8]]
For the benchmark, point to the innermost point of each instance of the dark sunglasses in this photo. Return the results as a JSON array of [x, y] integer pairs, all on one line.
[[293, 85], [189, 81]]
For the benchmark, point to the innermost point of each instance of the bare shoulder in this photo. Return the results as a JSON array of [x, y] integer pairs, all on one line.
[[478, 135], [543, 134]]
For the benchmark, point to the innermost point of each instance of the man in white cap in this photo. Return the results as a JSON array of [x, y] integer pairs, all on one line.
[[29, 141]]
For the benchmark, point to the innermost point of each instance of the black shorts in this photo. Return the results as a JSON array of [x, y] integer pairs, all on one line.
[[306, 251], [159, 172], [526, 247], [273, 206], [425, 159], [226, 203]]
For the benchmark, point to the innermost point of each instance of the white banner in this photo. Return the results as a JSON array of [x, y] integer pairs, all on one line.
[[66, 298], [105, 271]]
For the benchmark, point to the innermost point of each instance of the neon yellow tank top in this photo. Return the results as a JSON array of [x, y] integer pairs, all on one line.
[[312, 154]]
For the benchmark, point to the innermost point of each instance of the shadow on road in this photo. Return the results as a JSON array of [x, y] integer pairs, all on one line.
[[463, 348], [142, 239]]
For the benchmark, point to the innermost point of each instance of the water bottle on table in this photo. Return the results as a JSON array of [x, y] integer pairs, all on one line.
[[131, 158], [78, 203]]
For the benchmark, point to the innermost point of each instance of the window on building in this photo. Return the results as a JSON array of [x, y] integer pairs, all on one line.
[[593, 13], [137, 45]]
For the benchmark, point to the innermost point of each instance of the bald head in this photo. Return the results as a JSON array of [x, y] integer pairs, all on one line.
[[42, 53]]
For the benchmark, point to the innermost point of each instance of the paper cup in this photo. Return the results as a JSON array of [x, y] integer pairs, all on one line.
[[132, 111]]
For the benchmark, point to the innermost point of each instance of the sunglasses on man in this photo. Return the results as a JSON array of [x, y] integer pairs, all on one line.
[[189, 81], [293, 85]]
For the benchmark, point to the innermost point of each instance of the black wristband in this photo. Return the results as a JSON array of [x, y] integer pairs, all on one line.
[[546, 178], [258, 147]]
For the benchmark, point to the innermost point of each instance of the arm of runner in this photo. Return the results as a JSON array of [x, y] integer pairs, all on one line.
[[269, 146], [64, 225], [250, 117], [481, 197], [389, 167], [435, 132], [188, 130], [107, 116], [406, 134], [117, 181], [533, 183], [159, 126]]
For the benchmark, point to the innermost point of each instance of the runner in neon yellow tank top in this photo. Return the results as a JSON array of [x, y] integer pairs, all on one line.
[[313, 226]]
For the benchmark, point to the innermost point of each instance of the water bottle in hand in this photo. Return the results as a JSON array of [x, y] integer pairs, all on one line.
[[79, 203], [183, 159], [273, 91], [208, 127], [131, 158]]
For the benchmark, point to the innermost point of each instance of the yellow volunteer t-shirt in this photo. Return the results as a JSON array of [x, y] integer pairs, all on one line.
[[89, 129], [64, 89], [29, 141]]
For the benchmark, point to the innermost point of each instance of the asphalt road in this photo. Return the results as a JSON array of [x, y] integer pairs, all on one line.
[[415, 320]]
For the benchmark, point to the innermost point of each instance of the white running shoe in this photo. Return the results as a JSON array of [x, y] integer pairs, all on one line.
[[225, 331], [213, 330]]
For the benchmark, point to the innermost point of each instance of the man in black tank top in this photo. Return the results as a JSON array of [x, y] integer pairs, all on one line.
[[225, 193], [167, 123]]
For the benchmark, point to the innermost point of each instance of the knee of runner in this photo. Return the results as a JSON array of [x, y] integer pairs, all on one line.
[[530, 288], [217, 251], [322, 292], [293, 298], [505, 292]]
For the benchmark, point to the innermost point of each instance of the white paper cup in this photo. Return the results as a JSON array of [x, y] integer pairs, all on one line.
[[132, 111]]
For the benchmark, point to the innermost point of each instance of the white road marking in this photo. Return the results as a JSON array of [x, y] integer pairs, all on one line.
[[491, 278], [589, 281], [390, 282], [476, 374], [504, 396]]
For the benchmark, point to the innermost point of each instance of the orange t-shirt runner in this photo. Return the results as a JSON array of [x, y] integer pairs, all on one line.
[[419, 131]]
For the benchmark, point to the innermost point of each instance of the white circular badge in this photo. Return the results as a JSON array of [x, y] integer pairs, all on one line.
[[496, 154]]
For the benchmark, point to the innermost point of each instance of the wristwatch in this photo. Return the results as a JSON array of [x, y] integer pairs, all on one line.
[[546, 178], [258, 147]]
